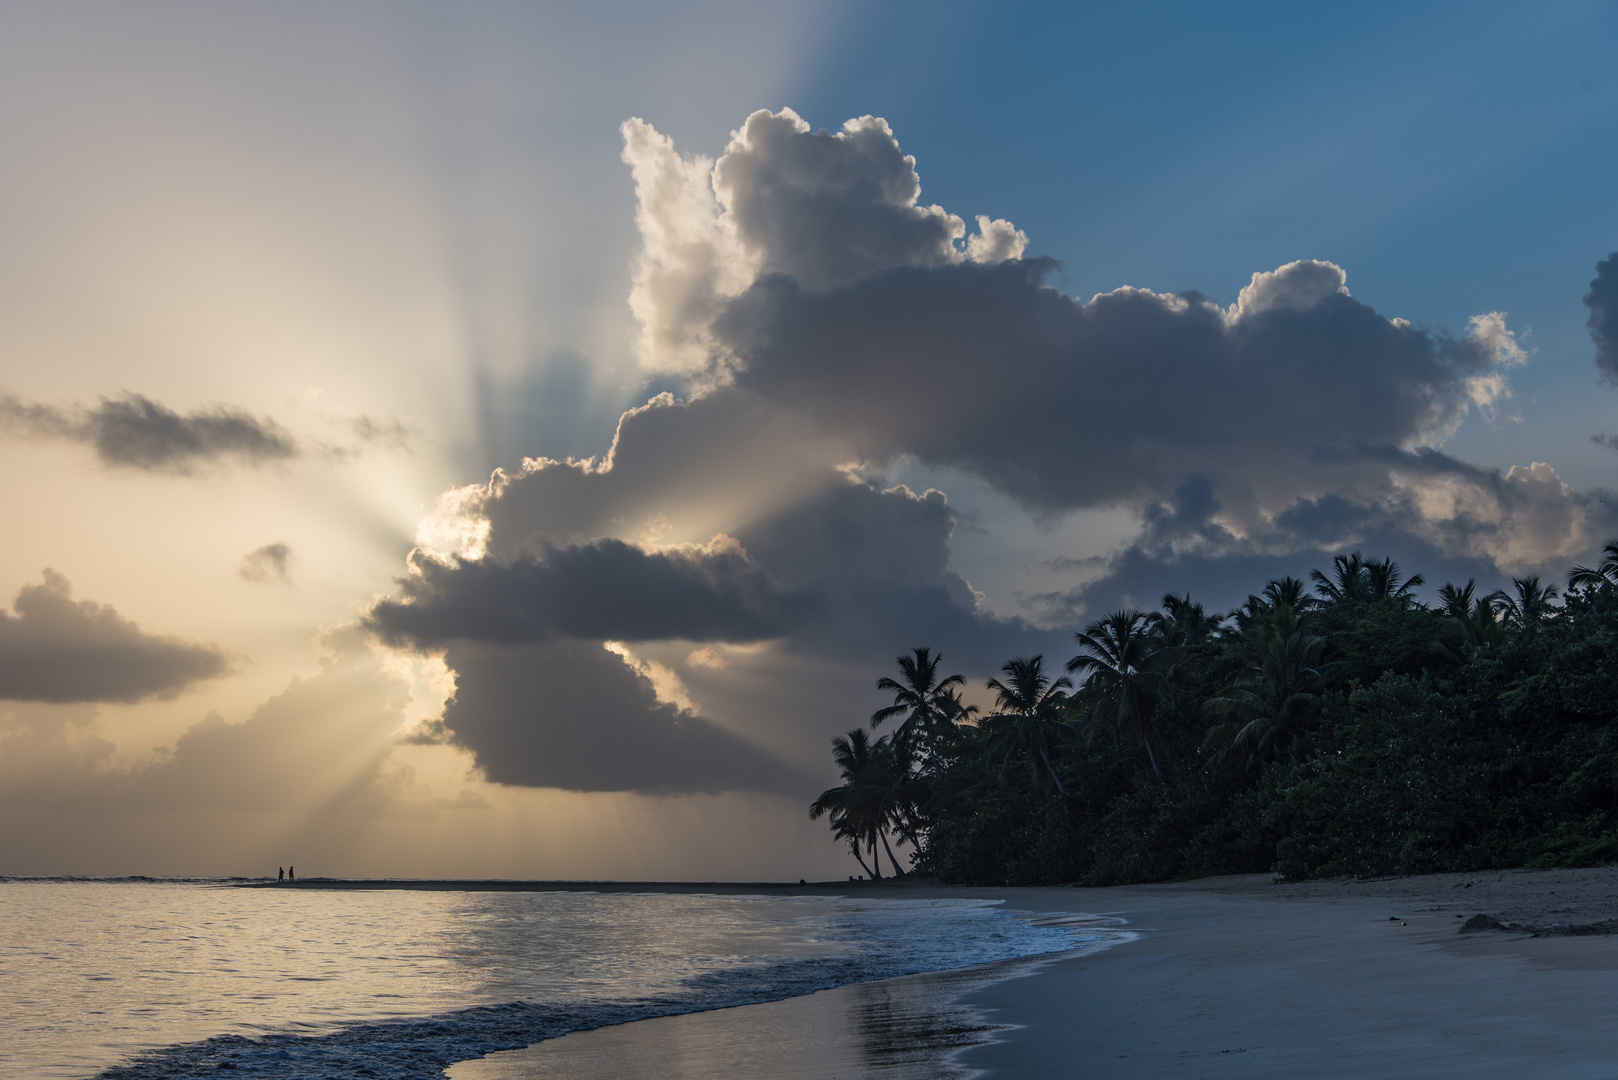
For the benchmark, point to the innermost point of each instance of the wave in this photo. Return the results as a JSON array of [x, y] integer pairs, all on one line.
[[420, 1049]]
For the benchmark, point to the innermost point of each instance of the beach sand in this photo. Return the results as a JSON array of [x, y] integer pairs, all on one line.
[[1226, 977]]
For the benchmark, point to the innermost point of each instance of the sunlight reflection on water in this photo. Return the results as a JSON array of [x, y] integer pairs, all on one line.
[[95, 971]]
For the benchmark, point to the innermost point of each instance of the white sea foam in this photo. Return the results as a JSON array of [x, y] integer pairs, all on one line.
[[140, 980]]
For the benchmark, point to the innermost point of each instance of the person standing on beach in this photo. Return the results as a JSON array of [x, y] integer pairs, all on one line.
[[292, 873], [280, 874]]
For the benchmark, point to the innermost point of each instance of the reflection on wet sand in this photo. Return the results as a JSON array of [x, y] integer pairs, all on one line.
[[896, 1029]]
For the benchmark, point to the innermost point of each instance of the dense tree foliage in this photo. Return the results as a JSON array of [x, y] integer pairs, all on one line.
[[1338, 728]]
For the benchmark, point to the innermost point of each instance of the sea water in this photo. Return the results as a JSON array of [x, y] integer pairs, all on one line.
[[130, 980]]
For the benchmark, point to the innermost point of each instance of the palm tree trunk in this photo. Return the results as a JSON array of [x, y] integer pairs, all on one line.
[[1050, 770], [897, 872], [855, 848], [876, 862], [1152, 757]]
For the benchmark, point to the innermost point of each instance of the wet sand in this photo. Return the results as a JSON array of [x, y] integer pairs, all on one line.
[[897, 1029], [1228, 977]]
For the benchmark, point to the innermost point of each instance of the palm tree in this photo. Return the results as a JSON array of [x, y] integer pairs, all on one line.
[[1027, 721], [870, 799], [1356, 578], [1457, 602], [1606, 571], [1532, 604], [1474, 621], [1275, 699], [1347, 581], [1250, 617], [920, 696], [957, 714], [1289, 591], [1124, 679], [1184, 624], [1386, 583]]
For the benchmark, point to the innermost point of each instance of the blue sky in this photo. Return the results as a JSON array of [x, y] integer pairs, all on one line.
[[1453, 158]]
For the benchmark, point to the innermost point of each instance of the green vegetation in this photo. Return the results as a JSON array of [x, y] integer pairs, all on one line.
[[1335, 728]]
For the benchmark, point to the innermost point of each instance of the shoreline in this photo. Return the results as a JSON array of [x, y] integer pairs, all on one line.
[[1231, 976], [814, 888]]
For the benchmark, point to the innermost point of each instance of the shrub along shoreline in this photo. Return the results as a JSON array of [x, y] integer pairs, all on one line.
[[1338, 727]]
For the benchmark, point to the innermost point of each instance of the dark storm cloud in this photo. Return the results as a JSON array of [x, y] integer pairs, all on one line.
[[135, 432], [57, 649], [1602, 300], [1064, 404], [604, 590], [569, 714], [539, 700]]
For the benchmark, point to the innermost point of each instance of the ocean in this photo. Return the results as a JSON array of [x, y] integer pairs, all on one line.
[[144, 979]]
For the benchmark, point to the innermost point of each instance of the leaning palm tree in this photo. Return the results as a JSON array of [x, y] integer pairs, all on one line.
[[1027, 722], [1274, 700], [863, 807], [919, 696], [1604, 572], [1531, 606], [1124, 666]]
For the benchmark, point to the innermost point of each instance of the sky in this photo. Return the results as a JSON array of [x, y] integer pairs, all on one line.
[[511, 440]]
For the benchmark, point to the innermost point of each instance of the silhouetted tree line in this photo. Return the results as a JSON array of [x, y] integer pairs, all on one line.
[[1335, 727]]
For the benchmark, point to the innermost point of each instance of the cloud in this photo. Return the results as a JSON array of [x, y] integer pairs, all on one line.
[[1436, 515], [822, 208], [57, 649], [132, 431], [272, 562], [318, 748], [605, 589], [571, 714], [724, 577], [548, 694], [1602, 300], [388, 433], [320, 742], [1064, 404]]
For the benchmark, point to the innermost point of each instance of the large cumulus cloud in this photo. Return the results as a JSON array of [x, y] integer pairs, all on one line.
[[58, 649], [1065, 404], [716, 576]]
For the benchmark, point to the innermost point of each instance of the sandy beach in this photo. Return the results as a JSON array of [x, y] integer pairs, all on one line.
[[1222, 977]]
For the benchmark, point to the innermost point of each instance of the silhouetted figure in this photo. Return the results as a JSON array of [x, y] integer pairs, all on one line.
[[292, 873], [280, 874]]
